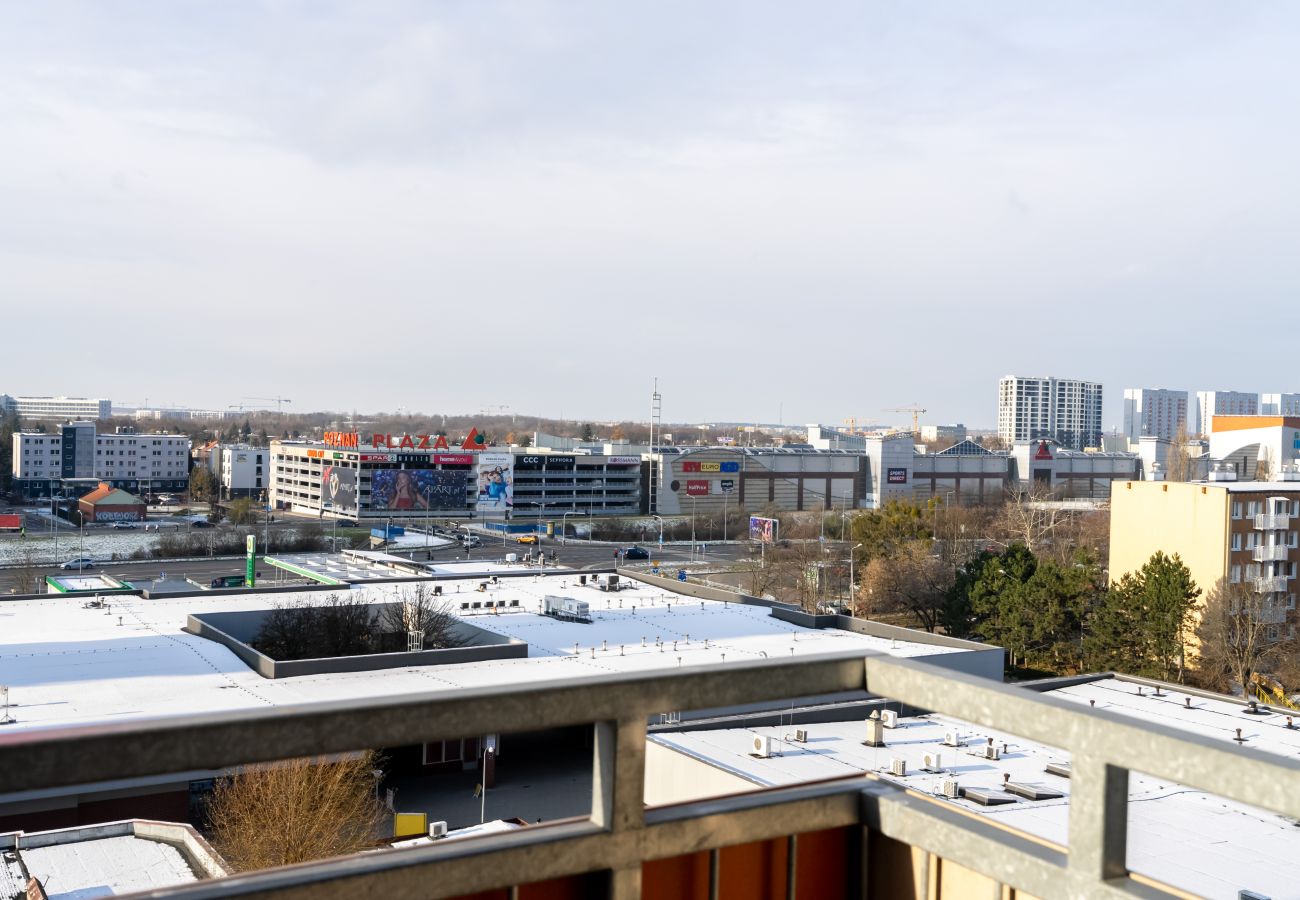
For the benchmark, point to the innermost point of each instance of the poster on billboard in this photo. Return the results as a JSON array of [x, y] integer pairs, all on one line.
[[398, 490], [338, 488], [763, 530], [496, 482]]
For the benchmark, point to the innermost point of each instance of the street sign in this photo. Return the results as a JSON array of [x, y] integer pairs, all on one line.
[[654, 570], [681, 574]]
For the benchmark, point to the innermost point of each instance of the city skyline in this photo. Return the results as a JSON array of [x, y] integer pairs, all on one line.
[[783, 217]]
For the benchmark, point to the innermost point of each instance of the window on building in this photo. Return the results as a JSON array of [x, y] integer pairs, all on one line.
[[1236, 510], [1236, 540], [1234, 574]]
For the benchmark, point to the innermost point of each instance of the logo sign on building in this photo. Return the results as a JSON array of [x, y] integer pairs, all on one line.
[[250, 562], [697, 487], [346, 439], [495, 482], [726, 486], [896, 476], [339, 487], [763, 530], [454, 459], [378, 457], [1044, 451], [624, 461]]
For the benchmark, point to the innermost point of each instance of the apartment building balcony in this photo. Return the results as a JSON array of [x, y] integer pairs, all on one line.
[[1272, 553], [1271, 521], [1270, 584], [852, 836]]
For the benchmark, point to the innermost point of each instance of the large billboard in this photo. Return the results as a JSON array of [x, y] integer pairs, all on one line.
[[763, 530], [338, 487], [496, 482], [399, 490]]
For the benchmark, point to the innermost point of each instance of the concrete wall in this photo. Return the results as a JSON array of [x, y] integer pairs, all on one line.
[[1174, 517], [244, 625], [674, 777]]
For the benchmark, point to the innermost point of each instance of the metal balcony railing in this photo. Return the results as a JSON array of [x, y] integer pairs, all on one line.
[[621, 835], [1272, 553], [1271, 521], [1270, 584]]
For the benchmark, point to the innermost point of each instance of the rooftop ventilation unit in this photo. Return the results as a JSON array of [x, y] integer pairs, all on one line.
[[875, 733], [762, 747], [952, 738], [898, 767], [889, 718], [932, 762], [801, 736], [437, 830], [1032, 791], [950, 789], [990, 751], [1061, 770]]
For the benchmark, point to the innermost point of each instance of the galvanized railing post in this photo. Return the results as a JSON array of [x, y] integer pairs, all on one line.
[[618, 790], [1098, 818]]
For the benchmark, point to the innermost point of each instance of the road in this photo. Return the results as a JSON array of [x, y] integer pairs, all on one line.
[[575, 554]]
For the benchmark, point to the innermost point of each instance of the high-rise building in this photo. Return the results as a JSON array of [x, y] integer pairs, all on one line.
[[1279, 404], [1154, 412], [1222, 403], [56, 408], [1061, 409]]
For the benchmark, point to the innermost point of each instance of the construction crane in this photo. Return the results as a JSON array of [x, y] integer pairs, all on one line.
[[852, 424], [916, 415], [278, 401]]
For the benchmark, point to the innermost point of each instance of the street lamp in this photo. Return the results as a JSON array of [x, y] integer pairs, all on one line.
[[853, 595], [661, 531], [564, 531], [428, 504], [692, 528]]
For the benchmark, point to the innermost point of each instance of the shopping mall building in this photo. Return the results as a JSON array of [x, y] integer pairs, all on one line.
[[391, 476]]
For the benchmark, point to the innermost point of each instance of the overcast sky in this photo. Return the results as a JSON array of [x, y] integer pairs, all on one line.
[[804, 211]]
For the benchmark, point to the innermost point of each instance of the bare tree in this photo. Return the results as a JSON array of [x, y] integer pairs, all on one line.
[[912, 580], [276, 814], [760, 571], [1030, 519], [1233, 633], [27, 578], [420, 611], [1178, 465]]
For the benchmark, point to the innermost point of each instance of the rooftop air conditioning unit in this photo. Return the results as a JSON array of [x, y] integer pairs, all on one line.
[[991, 751], [950, 789], [898, 767], [437, 830], [762, 747], [889, 718], [932, 762], [951, 738], [801, 736]]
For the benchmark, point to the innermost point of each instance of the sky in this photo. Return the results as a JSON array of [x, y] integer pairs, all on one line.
[[784, 212]]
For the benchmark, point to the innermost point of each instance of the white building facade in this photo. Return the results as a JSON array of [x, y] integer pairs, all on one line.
[[57, 408], [77, 456], [1223, 403], [1065, 410], [1154, 412], [244, 471]]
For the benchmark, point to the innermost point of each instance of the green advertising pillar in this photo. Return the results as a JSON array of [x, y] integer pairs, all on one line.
[[250, 573]]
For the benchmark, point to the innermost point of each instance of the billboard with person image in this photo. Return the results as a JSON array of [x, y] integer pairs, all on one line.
[[495, 474]]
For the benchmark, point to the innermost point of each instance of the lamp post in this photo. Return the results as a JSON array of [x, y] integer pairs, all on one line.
[[428, 493], [853, 595], [661, 531], [564, 531], [692, 528]]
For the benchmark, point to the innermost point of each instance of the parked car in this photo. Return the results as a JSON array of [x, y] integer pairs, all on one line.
[[81, 562], [123, 526], [200, 523], [636, 553]]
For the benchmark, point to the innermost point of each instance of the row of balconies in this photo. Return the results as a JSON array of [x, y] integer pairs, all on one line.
[[1271, 521]]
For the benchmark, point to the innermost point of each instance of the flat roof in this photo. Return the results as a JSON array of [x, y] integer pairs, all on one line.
[[105, 867], [1186, 838], [353, 566], [67, 664]]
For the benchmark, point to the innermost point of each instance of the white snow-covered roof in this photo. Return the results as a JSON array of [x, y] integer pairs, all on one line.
[[375, 565], [67, 664], [105, 867], [1184, 837]]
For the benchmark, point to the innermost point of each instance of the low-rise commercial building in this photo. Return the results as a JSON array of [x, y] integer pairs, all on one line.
[[109, 504], [56, 409]]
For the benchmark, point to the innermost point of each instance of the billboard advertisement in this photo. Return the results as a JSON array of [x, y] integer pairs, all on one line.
[[338, 487], [416, 489], [896, 476], [763, 530], [697, 487], [496, 482]]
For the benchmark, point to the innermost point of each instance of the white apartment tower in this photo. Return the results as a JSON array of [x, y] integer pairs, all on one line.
[[1223, 403], [1154, 412], [1062, 409]]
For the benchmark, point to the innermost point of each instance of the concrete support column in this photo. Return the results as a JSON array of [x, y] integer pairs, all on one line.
[[1098, 819]]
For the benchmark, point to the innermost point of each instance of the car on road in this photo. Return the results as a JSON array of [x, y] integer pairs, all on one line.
[[345, 523], [81, 562], [201, 523], [123, 526], [470, 541], [526, 539], [636, 553]]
